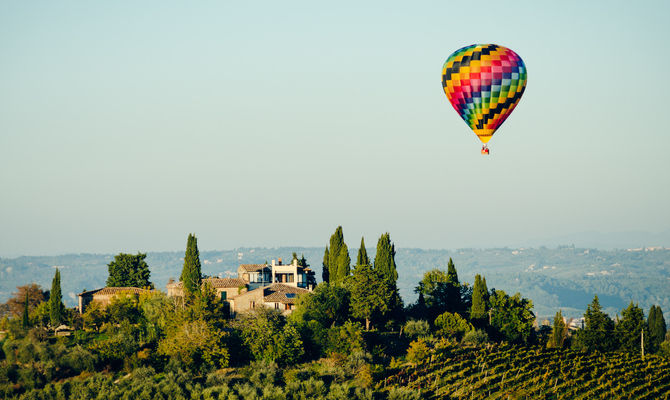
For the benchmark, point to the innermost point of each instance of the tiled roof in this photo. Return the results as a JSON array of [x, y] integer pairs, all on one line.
[[253, 267], [226, 282], [277, 293], [215, 282], [116, 290]]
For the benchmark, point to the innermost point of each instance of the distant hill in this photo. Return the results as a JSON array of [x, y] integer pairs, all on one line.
[[564, 277]]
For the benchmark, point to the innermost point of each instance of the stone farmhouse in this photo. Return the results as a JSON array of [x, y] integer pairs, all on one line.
[[104, 296]]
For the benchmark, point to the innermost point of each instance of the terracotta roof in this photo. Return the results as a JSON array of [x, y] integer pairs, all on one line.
[[216, 283], [253, 267], [115, 290], [280, 293], [226, 282]]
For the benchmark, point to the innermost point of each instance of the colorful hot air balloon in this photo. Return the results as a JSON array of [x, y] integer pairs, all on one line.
[[484, 82]]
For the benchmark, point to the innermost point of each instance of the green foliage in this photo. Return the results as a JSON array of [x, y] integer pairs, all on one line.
[[598, 332], [346, 339], [511, 317], [268, 337], [94, 316], [56, 307], [362, 254], [336, 260], [480, 307], [124, 306], [128, 270], [416, 328], [419, 351], [195, 344], [452, 325], [25, 320], [629, 329], [191, 273], [385, 258], [476, 337], [559, 332], [327, 304], [371, 294], [657, 328], [440, 291]]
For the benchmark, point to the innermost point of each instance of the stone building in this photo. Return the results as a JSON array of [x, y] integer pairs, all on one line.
[[274, 285], [104, 295]]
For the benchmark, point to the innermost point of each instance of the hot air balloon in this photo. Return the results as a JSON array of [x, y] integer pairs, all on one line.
[[484, 83]]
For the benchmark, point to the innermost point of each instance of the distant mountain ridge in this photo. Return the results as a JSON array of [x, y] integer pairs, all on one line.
[[565, 277]]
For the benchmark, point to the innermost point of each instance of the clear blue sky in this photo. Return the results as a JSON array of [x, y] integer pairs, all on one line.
[[124, 126]]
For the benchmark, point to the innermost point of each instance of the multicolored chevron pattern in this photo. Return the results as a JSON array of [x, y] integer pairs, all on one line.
[[484, 83]]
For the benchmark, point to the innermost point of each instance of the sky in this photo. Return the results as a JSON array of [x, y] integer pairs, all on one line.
[[124, 126]]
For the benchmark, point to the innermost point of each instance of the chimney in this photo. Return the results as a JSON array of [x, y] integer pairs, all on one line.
[[279, 261]]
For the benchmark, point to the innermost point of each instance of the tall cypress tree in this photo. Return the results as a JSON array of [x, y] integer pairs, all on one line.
[[326, 268], [657, 328], [385, 267], [362, 254], [336, 260], [453, 288], [598, 332], [26, 319], [191, 273], [385, 258], [479, 309], [558, 332], [56, 307], [343, 263]]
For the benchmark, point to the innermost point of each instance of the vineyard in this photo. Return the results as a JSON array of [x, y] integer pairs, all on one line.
[[504, 371]]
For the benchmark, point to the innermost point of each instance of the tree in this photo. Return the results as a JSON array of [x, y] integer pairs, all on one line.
[[511, 317], [325, 274], [385, 267], [371, 294], [441, 291], [196, 344], [336, 260], [26, 319], [452, 325], [630, 327], [17, 302], [558, 333], [56, 307], [362, 254], [479, 309], [327, 304], [657, 328], [385, 258], [598, 332], [128, 270], [269, 338], [191, 273]]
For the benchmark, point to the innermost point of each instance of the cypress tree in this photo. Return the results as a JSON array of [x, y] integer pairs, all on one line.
[[191, 273], [385, 258], [56, 307], [479, 309], [657, 328], [598, 332], [453, 288], [558, 332], [336, 260], [26, 320], [343, 263], [362, 254], [385, 268], [326, 268]]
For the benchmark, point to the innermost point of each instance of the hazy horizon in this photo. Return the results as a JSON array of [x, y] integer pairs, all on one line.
[[125, 126]]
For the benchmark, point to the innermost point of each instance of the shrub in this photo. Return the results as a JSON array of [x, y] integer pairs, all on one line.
[[452, 325], [418, 351], [416, 328], [477, 337]]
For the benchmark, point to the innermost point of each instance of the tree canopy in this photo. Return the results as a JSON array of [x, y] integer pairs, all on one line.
[[191, 273], [128, 270]]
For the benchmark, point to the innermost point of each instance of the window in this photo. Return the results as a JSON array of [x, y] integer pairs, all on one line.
[[276, 306], [289, 277], [252, 304], [224, 295]]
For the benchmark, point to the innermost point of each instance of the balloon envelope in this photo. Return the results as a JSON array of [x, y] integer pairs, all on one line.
[[484, 83]]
